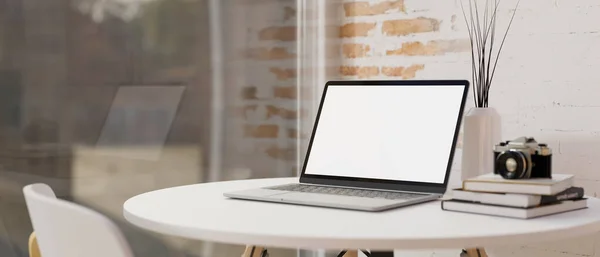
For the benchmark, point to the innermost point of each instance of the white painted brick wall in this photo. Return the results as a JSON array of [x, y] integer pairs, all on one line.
[[547, 85]]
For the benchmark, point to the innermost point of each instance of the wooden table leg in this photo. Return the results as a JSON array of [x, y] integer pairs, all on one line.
[[474, 252], [255, 251], [350, 253], [353, 253]]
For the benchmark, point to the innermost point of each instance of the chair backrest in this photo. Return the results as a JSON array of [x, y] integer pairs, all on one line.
[[66, 229]]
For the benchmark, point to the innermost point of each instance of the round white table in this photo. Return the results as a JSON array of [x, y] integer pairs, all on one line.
[[200, 211]]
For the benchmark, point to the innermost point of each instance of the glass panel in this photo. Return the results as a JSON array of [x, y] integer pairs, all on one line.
[[107, 99]]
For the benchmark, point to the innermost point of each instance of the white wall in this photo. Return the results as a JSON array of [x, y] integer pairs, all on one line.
[[546, 86]]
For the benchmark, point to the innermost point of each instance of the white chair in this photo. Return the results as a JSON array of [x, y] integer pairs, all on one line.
[[66, 229]]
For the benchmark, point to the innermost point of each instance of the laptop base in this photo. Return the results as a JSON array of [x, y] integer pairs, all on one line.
[[327, 201]]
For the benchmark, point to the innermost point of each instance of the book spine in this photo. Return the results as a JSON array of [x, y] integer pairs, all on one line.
[[569, 194]]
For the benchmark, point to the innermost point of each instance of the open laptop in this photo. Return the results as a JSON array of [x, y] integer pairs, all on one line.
[[376, 145]]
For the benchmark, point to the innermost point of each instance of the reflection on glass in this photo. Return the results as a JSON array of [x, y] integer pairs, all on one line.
[[140, 117], [106, 99]]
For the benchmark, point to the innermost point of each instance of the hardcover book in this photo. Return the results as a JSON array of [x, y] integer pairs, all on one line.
[[516, 200], [493, 183], [514, 212]]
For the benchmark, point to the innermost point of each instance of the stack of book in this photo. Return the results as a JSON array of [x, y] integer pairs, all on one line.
[[491, 194]]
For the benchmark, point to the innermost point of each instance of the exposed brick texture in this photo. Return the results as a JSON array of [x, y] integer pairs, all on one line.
[[368, 24], [360, 72], [274, 111], [261, 131], [249, 93], [435, 47], [410, 26], [277, 152], [266, 111], [285, 92], [273, 53], [368, 9], [403, 72], [381, 30], [356, 29], [283, 74], [292, 133], [278, 33], [355, 50]]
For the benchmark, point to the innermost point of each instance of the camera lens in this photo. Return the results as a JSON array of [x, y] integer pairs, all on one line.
[[512, 165]]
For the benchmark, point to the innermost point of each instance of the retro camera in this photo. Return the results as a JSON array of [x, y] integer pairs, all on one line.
[[522, 158]]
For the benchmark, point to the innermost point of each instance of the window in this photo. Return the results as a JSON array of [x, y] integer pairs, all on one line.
[[103, 100]]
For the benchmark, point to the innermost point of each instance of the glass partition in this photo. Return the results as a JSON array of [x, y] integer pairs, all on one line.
[[106, 99]]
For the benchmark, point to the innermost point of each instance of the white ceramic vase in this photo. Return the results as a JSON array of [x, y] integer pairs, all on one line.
[[481, 131]]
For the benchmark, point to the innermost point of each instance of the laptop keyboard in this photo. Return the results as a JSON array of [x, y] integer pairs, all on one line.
[[347, 191]]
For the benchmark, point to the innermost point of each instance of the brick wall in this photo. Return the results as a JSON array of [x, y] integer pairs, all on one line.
[[265, 106], [392, 40], [545, 86]]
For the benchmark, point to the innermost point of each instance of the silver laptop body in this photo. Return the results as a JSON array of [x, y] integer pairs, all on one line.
[[376, 145]]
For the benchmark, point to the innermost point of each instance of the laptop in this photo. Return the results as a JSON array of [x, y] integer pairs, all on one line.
[[376, 145]]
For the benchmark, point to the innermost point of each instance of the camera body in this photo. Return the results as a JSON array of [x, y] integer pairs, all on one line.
[[522, 158]]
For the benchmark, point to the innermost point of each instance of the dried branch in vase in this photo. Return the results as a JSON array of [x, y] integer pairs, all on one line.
[[481, 26]]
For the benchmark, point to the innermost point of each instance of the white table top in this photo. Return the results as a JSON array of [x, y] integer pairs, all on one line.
[[201, 212]]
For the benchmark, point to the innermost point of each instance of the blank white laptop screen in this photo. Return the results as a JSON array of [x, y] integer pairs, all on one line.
[[402, 133]]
